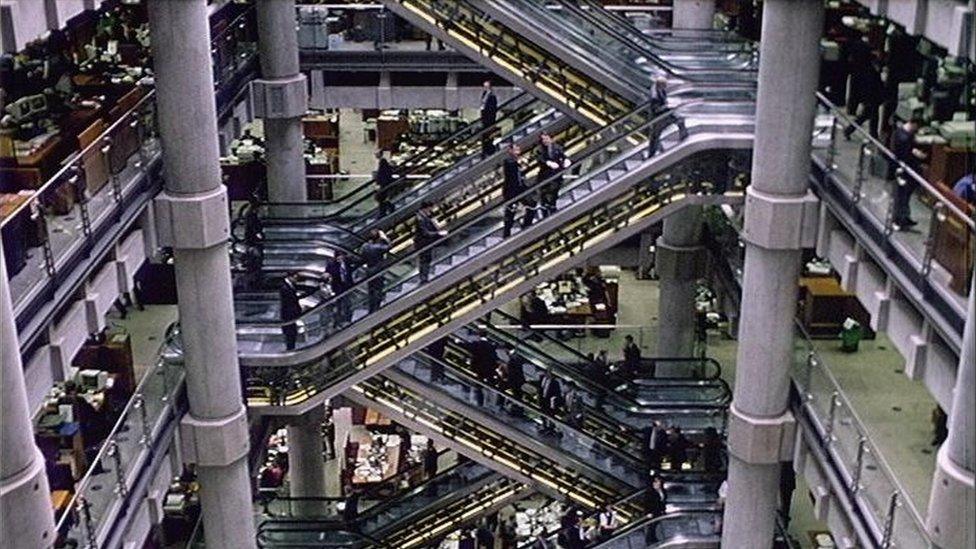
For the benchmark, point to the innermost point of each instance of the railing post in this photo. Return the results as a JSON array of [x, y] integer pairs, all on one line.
[[81, 196], [84, 509], [859, 464], [863, 154], [889, 221], [37, 209], [937, 217], [832, 146], [139, 403], [834, 402], [889, 523], [116, 454], [113, 177]]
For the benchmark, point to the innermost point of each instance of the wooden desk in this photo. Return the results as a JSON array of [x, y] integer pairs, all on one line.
[[389, 130], [17, 234], [824, 306], [953, 245]]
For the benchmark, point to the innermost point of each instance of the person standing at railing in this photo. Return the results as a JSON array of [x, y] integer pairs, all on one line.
[[426, 231], [374, 253], [552, 161], [632, 359], [384, 183], [658, 108], [903, 146]]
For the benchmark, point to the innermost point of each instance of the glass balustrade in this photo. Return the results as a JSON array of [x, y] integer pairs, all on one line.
[[113, 473], [869, 480]]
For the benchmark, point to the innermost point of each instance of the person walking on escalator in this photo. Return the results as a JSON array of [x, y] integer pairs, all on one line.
[[512, 187], [385, 190], [655, 444], [291, 310], [427, 231], [436, 351], [677, 448], [711, 451], [484, 358], [630, 366], [340, 269], [550, 400], [656, 498], [552, 161], [253, 227], [430, 460], [515, 379], [662, 115], [374, 253], [574, 405], [489, 105]]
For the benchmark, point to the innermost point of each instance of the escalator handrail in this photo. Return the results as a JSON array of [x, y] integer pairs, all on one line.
[[651, 522], [586, 359], [490, 211], [239, 218], [666, 66], [403, 168], [370, 492]]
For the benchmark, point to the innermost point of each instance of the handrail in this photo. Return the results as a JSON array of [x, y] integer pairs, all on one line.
[[586, 359], [69, 163], [890, 157], [864, 433], [82, 484]]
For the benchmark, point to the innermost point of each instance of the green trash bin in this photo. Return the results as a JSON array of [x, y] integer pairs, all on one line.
[[850, 335]]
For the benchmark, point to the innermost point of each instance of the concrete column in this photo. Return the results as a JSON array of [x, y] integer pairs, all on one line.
[[781, 218], [26, 516], [306, 466], [678, 263], [693, 14], [281, 99], [951, 507], [192, 219]]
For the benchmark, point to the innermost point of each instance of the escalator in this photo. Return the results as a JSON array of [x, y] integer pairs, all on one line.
[[582, 448], [615, 195], [522, 463], [428, 175], [453, 491], [623, 62], [685, 529], [608, 418]]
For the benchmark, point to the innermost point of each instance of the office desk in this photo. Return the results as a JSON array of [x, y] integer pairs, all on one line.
[[824, 306], [17, 233]]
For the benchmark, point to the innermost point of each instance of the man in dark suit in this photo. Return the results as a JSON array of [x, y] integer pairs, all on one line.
[[632, 358], [489, 105], [484, 359], [513, 186], [515, 379], [550, 398], [656, 444], [867, 95], [291, 310], [552, 161], [384, 183], [374, 253], [340, 280], [655, 503], [903, 145], [426, 232], [659, 107]]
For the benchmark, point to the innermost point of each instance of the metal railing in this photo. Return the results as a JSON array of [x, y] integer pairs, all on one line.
[[127, 448], [871, 483], [873, 176]]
